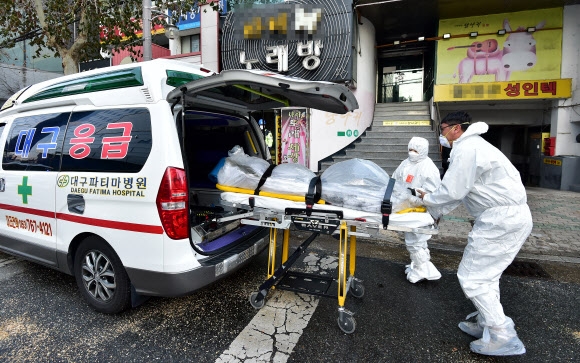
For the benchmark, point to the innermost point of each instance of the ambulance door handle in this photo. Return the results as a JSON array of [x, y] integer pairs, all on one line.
[[2, 184], [76, 203]]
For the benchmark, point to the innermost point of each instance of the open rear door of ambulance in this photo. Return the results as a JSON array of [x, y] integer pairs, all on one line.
[[244, 91]]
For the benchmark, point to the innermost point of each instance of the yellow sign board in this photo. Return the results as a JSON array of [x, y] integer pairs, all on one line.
[[475, 53], [407, 123], [555, 162], [514, 90]]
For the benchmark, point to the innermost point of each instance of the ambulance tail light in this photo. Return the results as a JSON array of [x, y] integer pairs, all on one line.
[[173, 203]]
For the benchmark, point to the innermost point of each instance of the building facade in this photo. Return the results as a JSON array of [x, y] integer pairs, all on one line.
[[514, 66]]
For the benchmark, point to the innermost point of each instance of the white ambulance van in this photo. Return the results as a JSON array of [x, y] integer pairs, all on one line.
[[104, 174]]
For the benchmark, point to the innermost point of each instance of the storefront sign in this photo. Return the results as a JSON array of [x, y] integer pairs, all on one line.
[[278, 55], [192, 20], [295, 136], [530, 48], [280, 22], [514, 90], [310, 40], [188, 21]]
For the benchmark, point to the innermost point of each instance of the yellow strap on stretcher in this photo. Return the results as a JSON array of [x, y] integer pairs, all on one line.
[[413, 210], [295, 198]]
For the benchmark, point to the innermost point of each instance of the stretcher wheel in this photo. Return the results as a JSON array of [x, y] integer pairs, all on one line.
[[347, 324], [357, 289], [254, 301]]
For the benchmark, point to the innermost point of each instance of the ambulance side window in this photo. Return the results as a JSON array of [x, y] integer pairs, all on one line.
[[115, 140], [35, 142]]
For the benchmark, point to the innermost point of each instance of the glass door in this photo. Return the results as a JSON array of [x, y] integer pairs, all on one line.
[[401, 79]]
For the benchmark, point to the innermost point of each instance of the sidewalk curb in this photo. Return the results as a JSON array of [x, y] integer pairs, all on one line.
[[520, 256], [458, 250]]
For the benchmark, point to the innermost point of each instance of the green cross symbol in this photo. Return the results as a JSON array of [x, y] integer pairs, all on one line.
[[24, 190]]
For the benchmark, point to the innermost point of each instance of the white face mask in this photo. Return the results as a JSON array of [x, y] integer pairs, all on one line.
[[444, 142], [413, 156]]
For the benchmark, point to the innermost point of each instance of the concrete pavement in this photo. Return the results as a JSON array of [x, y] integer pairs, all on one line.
[[555, 236]]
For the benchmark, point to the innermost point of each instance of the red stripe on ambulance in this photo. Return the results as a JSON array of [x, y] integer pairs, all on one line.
[[135, 227], [124, 226], [36, 212]]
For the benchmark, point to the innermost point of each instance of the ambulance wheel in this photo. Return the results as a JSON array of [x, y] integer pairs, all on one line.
[[347, 324], [101, 277], [357, 289], [255, 303]]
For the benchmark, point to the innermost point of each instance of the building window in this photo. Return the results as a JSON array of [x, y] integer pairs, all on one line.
[[190, 44], [194, 43]]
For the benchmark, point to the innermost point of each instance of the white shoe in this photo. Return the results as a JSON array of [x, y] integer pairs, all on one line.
[[476, 329], [424, 271], [499, 340], [473, 329]]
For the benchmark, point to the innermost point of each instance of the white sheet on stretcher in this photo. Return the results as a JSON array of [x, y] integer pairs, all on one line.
[[410, 220]]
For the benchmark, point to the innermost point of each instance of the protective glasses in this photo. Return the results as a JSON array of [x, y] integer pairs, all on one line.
[[444, 127], [441, 129]]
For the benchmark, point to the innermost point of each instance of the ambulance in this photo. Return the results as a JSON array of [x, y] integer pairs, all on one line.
[[105, 174]]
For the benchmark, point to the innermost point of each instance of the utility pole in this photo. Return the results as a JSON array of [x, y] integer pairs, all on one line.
[[147, 30], [24, 64]]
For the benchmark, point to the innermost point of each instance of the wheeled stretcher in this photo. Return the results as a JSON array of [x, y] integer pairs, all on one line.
[[318, 218]]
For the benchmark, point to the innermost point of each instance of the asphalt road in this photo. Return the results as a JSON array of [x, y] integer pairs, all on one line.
[[43, 317]]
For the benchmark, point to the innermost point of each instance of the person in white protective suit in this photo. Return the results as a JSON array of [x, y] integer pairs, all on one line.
[[492, 191], [419, 171]]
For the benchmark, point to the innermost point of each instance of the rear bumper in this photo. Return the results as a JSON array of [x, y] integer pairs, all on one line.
[[155, 283]]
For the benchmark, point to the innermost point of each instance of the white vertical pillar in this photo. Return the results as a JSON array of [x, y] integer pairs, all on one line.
[[175, 45], [565, 118], [209, 38]]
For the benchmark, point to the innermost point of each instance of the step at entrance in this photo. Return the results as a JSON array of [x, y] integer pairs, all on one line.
[[385, 142]]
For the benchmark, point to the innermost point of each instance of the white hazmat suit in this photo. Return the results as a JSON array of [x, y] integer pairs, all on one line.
[[490, 187], [419, 171]]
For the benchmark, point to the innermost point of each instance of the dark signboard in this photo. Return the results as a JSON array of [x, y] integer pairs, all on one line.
[[310, 39]]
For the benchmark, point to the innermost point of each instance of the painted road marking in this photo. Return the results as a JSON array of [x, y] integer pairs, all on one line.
[[273, 333]]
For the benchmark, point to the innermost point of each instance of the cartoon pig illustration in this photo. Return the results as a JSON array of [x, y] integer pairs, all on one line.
[[482, 58], [519, 49], [518, 54]]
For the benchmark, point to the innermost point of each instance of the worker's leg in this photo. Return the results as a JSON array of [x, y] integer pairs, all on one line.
[[495, 240], [421, 266]]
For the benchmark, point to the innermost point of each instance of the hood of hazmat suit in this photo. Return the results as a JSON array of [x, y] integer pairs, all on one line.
[[420, 171], [421, 145]]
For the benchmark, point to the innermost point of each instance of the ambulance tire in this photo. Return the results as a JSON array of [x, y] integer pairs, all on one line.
[[106, 288]]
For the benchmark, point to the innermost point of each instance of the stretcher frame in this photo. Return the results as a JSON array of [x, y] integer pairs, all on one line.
[[328, 222]]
